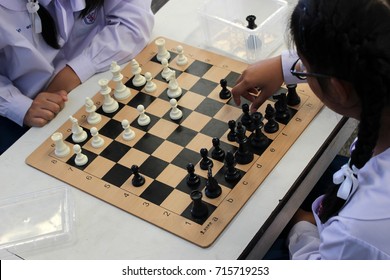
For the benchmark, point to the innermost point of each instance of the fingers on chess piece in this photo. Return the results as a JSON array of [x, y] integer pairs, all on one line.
[[205, 162], [143, 118], [293, 98], [217, 153], [97, 141], [232, 174], [199, 209], [272, 125], [61, 149], [213, 189], [110, 105], [80, 158], [78, 133], [128, 133], [175, 113], [138, 180], [225, 93], [192, 180]]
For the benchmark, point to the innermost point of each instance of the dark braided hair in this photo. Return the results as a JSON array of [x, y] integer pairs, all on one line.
[[49, 30], [348, 40]]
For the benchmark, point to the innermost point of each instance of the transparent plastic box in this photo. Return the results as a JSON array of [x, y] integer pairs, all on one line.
[[225, 27], [36, 220]]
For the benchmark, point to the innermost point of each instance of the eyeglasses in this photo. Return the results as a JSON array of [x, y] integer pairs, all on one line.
[[299, 70]]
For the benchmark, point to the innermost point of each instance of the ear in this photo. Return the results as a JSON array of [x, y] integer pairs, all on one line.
[[342, 92]]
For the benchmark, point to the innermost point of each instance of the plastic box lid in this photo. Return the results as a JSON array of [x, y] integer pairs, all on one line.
[[36, 220]]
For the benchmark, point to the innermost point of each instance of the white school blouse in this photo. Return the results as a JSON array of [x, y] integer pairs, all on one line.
[[117, 32]]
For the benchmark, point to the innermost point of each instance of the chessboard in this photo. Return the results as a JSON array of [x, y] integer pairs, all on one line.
[[191, 174]]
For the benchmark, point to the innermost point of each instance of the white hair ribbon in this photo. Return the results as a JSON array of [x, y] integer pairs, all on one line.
[[347, 177], [33, 7]]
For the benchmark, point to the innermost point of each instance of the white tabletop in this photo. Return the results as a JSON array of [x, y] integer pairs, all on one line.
[[105, 232]]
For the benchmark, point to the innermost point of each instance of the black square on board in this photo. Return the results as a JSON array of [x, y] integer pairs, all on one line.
[[182, 186], [91, 156], [115, 151], [164, 95], [232, 78], [141, 99], [186, 112], [220, 177], [112, 129], [153, 121], [152, 167], [110, 115], [182, 136], [149, 143], [117, 175], [198, 68], [156, 192], [173, 55], [215, 128], [209, 107], [70, 140], [203, 87], [185, 157], [187, 213]]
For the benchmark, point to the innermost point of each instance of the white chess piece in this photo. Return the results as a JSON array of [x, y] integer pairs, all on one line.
[[90, 108], [162, 52], [150, 85], [138, 79], [80, 158], [128, 133], [174, 91], [110, 105], [78, 133], [121, 91], [181, 58], [175, 113], [143, 119], [61, 149], [166, 72], [97, 141]]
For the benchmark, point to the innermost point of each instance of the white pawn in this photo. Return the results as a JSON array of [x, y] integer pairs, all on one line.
[[174, 91], [110, 105], [61, 149], [121, 91], [162, 52], [138, 79], [97, 141], [128, 133], [78, 133], [90, 108], [143, 119], [150, 85], [175, 113], [181, 58], [166, 72], [80, 159]]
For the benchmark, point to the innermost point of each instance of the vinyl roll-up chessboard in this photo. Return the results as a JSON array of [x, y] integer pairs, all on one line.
[[162, 149]]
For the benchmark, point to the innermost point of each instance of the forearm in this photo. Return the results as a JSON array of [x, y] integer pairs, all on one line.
[[66, 80]]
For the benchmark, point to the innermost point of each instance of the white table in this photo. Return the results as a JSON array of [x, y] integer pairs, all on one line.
[[105, 232]]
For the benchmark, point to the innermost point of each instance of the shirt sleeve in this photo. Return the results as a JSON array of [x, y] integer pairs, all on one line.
[[288, 59], [304, 241], [128, 28], [13, 104]]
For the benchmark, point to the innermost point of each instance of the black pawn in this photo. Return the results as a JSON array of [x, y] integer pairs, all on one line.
[[138, 180], [271, 126], [246, 118], [225, 92], [193, 180], [213, 189], [217, 153], [293, 98], [232, 174], [232, 133], [199, 209], [258, 140], [243, 154], [205, 162], [282, 113]]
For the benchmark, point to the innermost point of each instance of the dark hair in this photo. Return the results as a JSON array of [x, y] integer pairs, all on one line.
[[349, 40], [49, 30]]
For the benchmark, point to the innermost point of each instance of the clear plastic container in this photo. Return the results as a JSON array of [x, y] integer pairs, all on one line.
[[225, 27], [36, 220]]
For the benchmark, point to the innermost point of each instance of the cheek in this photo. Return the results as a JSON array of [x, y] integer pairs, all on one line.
[[315, 87]]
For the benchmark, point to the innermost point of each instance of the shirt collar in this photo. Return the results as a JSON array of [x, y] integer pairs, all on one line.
[[76, 5], [20, 5]]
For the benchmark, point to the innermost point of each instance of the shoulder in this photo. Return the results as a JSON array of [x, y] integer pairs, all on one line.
[[13, 5]]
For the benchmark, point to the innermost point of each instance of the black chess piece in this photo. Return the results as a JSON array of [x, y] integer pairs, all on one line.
[[192, 180], [293, 98], [243, 154], [271, 126], [253, 41], [232, 174], [232, 133], [282, 113], [258, 140], [205, 162], [138, 180], [246, 118], [199, 209], [217, 153], [225, 92], [213, 189]]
